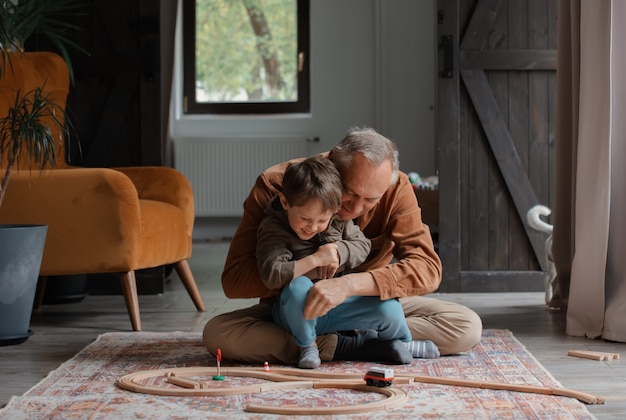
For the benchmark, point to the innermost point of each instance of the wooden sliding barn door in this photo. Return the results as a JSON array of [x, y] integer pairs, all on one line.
[[496, 120]]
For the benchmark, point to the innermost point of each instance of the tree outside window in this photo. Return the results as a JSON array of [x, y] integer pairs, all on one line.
[[246, 56]]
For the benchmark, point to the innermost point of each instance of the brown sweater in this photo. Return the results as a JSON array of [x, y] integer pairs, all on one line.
[[402, 260]]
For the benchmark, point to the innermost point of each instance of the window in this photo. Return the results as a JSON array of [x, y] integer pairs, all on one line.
[[245, 56]]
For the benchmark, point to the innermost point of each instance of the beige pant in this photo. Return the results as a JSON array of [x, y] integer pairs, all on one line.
[[250, 336]]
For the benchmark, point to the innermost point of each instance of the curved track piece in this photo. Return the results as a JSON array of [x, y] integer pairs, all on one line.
[[395, 397]]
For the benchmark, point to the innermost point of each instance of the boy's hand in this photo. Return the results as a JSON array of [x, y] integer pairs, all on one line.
[[327, 260]]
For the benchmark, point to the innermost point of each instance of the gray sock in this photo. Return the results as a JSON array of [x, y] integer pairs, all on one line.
[[424, 349], [309, 358]]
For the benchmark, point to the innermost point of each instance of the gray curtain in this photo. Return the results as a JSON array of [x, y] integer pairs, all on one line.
[[589, 242]]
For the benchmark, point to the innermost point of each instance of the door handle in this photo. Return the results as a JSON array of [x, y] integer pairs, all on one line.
[[448, 58]]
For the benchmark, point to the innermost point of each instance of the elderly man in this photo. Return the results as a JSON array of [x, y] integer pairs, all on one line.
[[402, 264]]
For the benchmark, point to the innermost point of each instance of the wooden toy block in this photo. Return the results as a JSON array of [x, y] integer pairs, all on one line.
[[594, 355], [185, 383]]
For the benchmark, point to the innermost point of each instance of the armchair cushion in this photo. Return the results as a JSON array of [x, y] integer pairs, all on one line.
[[163, 184]]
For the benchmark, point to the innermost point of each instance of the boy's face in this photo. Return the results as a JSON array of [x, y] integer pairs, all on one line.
[[307, 220]]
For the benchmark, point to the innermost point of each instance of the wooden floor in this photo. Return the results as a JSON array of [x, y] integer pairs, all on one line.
[[60, 331]]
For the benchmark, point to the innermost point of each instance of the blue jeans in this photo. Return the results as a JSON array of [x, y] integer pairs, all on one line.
[[355, 313]]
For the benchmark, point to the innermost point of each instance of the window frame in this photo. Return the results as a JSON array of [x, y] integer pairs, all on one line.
[[192, 107]]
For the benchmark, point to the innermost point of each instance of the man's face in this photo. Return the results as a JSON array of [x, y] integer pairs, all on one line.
[[363, 186]]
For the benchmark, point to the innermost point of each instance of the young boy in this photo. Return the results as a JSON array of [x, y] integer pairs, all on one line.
[[299, 241]]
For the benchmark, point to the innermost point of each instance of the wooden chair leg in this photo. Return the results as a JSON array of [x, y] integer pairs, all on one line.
[[184, 272], [129, 288], [40, 292]]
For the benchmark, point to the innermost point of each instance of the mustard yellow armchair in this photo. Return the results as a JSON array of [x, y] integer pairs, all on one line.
[[100, 220]]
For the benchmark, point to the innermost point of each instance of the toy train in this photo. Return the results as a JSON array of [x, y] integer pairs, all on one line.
[[379, 376]]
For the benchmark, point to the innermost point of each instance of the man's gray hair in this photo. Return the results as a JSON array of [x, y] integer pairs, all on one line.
[[375, 147]]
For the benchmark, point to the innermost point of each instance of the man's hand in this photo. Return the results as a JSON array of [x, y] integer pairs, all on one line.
[[328, 294], [324, 296]]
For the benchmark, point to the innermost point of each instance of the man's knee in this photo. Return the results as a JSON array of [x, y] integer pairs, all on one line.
[[211, 334], [218, 331], [470, 328], [454, 328]]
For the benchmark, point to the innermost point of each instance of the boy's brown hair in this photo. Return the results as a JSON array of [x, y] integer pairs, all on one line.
[[315, 178]]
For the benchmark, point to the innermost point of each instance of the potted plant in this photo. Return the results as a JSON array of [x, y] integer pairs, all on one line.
[[27, 132], [21, 19], [33, 127]]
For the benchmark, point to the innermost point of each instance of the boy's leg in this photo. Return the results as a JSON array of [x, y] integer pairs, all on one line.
[[367, 313], [288, 313]]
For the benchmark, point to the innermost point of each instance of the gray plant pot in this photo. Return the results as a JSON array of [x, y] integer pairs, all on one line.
[[21, 250]]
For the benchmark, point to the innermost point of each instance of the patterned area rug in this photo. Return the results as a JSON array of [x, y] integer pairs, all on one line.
[[85, 386]]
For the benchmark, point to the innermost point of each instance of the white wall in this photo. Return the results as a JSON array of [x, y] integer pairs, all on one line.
[[372, 63]]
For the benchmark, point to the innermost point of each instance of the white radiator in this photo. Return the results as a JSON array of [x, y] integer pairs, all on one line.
[[223, 170]]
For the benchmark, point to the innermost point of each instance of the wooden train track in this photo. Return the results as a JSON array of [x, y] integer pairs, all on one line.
[[287, 378], [282, 378], [531, 389]]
